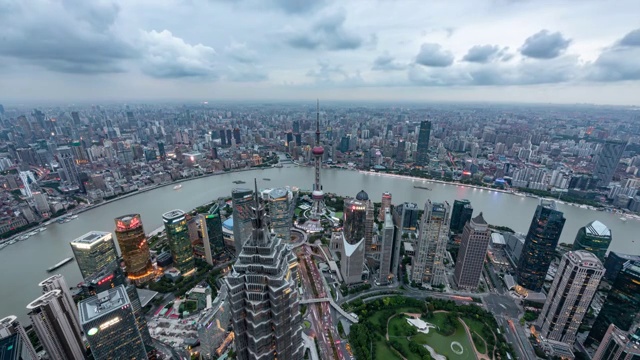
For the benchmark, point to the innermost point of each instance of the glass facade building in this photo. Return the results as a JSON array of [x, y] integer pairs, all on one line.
[[614, 263], [540, 245], [608, 161], [622, 305], [175, 224], [241, 199], [14, 342], [134, 247], [595, 237], [460, 214], [281, 206], [619, 345], [428, 262], [93, 251], [109, 324], [422, 155]]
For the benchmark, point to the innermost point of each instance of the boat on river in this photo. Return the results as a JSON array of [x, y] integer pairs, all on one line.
[[177, 187], [60, 264]]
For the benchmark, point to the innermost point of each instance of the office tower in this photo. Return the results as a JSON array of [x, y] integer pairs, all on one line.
[[161, 151], [263, 296], [619, 345], [229, 137], [134, 248], [68, 165], [211, 227], [131, 120], [57, 282], [460, 214], [622, 305], [296, 126], [14, 342], [473, 250], [223, 138], [280, 212], [385, 204], [289, 138], [110, 326], [76, 118], [351, 241], [51, 323], [213, 324], [241, 200], [608, 161], [574, 285], [368, 223], [386, 249], [614, 263], [428, 262], [317, 195], [112, 276], [236, 135], [540, 245], [93, 251], [405, 218], [595, 237], [401, 151], [422, 156], [175, 224]]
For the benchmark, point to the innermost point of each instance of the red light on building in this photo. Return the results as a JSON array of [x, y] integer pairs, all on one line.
[[104, 280]]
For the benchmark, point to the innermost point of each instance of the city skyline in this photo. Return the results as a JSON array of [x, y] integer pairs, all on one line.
[[470, 51]]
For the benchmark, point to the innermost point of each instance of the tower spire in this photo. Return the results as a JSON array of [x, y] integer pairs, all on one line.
[[317, 122]]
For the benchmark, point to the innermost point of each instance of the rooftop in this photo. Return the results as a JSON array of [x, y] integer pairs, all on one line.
[[92, 237], [585, 258], [173, 214], [479, 220], [102, 303], [278, 193], [597, 228]]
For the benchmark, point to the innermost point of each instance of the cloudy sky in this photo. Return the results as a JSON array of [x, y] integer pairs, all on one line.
[[571, 51]]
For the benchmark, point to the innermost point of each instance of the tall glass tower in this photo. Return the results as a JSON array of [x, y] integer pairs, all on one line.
[[134, 248], [263, 297], [280, 212], [608, 161], [211, 227], [175, 223], [428, 262], [460, 214], [14, 342], [595, 237], [241, 200], [540, 245], [93, 251], [422, 156]]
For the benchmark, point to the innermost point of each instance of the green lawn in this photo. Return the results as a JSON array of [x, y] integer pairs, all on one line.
[[338, 214], [383, 352], [298, 211], [477, 326], [442, 344], [306, 324]]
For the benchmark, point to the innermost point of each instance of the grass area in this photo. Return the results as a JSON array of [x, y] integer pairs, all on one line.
[[384, 352], [476, 326], [298, 211], [306, 324], [442, 344], [338, 214]]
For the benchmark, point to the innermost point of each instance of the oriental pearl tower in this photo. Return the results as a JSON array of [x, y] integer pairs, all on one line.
[[317, 195]]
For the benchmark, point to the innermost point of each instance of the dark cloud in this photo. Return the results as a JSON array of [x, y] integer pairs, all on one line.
[[64, 36], [631, 39], [241, 53], [330, 74], [484, 53], [327, 33], [386, 62], [434, 55], [544, 45], [616, 64]]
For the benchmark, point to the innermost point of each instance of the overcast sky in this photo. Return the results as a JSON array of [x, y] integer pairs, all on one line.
[[574, 51]]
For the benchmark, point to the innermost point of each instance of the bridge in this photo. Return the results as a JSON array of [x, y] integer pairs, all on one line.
[[348, 316]]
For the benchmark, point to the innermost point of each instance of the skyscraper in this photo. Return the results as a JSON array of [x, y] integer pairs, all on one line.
[[351, 240], [57, 335], [212, 325], [422, 156], [405, 218], [57, 282], [574, 285], [109, 324], [622, 306], [264, 297], [615, 262], [619, 345], [134, 248], [460, 214], [175, 223], [211, 225], [385, 204], [595, 237], [608, 161], [241, 200], [14, 342], [281, 212], [428, 262], [93, 251], [539, 246], [317, 195], [386, 249], [473, 250], [68, 165]]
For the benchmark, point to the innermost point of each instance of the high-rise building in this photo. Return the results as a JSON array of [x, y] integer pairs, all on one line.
[[370, 248], [571, 292], [622, 306], [619, 345], [134, 248], [175, 224], [241, 200], [317, 195], [461, 213], [422, 156], [281, 212], [263, 297], [386, 248], [68, 165], [211, 227], [110, 326], [614, 263], [213, 325], [93, 251], [14, 342], [405, 218], [57, 282], [428, 262], [50, 320], [473, 251], [595, 237], [351, 241], [385, 204], [540, 245], [608, 161]]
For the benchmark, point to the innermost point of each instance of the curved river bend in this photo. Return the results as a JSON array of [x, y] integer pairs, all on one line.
[[22, 265]]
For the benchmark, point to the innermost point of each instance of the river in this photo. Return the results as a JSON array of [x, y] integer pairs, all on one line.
[[22, 265]]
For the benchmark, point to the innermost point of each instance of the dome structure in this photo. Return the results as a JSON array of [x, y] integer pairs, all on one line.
[[362, 196], [318, 150]]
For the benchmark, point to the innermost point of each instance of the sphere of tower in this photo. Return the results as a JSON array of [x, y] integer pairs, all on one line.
[[362, 196], [317, 195], [318, 150]]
